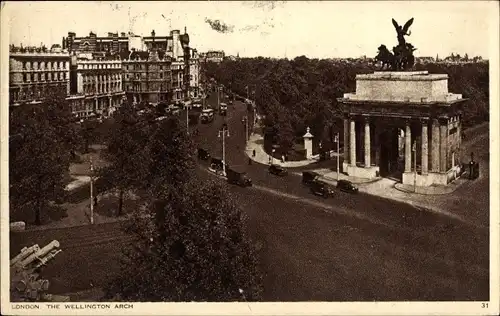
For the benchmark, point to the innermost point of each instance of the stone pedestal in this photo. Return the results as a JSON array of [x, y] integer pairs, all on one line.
[[308, 143], [363, 172]]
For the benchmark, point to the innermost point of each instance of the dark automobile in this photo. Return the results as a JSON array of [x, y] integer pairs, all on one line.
[[277, 170], [223, 109], [238, 177], [346, 186], [321, 188], [309, 176], [216, 164], [203, 154]]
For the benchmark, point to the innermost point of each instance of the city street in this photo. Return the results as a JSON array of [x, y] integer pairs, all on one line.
[[311, 249], [348, 247]]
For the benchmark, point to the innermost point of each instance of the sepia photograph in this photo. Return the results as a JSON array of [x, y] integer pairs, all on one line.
[[281, 156]]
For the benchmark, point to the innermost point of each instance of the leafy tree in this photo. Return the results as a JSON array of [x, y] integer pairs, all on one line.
[[39, 155], [172, 157], [126, 152], [191, 244]]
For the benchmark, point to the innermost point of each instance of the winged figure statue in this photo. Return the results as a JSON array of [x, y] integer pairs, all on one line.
[[402, 31]]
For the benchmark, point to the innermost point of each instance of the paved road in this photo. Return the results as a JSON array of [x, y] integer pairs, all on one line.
[[312, 249], [350, 247]]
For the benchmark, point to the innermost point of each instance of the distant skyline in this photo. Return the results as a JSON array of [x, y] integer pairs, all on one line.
[[325, 29]]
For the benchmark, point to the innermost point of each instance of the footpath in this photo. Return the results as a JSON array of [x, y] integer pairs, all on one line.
[[445, 200]]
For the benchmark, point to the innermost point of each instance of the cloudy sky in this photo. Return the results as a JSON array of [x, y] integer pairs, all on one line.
[[263, 28]]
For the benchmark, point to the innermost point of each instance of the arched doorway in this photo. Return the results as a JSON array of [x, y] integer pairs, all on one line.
[[391, 152]]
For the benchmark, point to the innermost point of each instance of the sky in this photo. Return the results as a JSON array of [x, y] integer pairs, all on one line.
[[316, 29]]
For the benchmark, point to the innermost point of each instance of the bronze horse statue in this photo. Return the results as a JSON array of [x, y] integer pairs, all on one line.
[[386, 57], [401, 59]]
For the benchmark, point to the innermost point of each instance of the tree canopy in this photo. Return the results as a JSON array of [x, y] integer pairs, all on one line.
[[305, 91], [191, 242], [43, 137], [127, 152]]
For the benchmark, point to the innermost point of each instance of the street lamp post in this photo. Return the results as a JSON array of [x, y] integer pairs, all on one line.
[[91, 192], [338, 155], [187, 119], [224, 132], [245, 119], [414, 149], [218, 97]]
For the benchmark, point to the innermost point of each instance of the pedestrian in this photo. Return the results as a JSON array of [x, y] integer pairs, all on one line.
[[253, 153], [270, 159], [95, 201], [283, 158], [249, 161]]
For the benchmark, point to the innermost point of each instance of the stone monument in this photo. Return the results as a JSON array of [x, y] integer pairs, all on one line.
[[413, 103], [308, 143]]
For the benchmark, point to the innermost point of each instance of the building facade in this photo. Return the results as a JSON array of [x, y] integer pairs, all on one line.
[[35, 74], [172, 45], [113, 43], [147, 77], [96, 86], [213, 56]]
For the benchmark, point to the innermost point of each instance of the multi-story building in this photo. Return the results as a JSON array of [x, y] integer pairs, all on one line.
[[91, 43], [36, 74], [114, 43], [154, 68], [147, 77], [96, 86], [213, 56]]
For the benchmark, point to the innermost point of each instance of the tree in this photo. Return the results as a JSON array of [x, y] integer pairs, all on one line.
[[39, 156], [126, 152], [191, 244]]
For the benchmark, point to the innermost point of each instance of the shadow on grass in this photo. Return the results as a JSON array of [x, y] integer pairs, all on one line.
[[50, 213], [108, 205]]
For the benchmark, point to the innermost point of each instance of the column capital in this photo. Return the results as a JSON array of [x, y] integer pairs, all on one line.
[[443, 119]]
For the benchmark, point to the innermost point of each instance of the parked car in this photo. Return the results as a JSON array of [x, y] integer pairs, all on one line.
[[217, 165], [238, 177], [321, 188], [346, 186], [309, 176], [277, 170], [203, 154]]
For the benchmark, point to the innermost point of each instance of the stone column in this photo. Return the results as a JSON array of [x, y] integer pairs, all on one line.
[[377, 147], [408, 147], [425, 148], [346, 140], [435, 140], [352, 143], [367, 144], [443, 148]]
